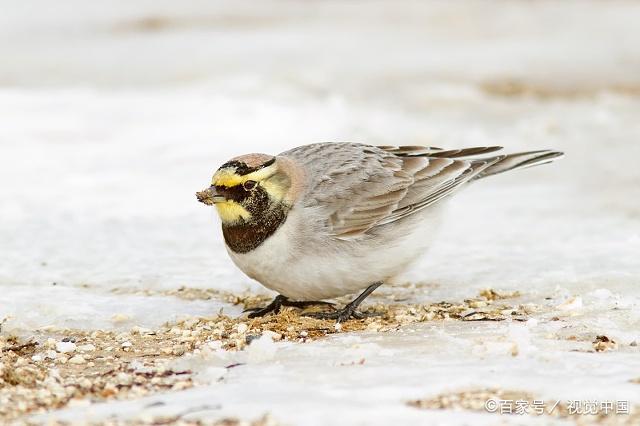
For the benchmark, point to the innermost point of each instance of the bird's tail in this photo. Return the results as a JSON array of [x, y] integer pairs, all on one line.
[[485, 166], [520, 160]]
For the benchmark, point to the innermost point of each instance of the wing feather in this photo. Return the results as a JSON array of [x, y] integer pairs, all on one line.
[[466, 152], [361, 187], [410, 150], [442, 189]]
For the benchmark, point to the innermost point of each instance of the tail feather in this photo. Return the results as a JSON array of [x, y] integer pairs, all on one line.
[[465, 152], [497, 164], [520, 160]]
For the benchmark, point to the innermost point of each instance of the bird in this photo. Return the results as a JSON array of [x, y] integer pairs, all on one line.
[[329, 219]]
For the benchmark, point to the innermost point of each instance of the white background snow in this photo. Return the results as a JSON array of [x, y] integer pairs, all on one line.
[[113, 114]]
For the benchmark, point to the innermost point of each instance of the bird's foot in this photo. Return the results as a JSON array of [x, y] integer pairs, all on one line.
[[342, 315], [280, 301], [349, 311]]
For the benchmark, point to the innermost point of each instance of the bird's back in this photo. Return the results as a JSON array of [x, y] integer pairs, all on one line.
[[358, 187]]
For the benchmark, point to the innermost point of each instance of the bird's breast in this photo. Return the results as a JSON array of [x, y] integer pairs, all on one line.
[[245, 236]]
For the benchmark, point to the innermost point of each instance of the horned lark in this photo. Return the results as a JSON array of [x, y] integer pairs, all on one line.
[[329, 219]]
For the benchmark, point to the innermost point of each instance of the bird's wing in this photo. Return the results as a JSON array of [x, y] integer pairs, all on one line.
[[410, 150], [360, 187], [438, 179], [440, 173]]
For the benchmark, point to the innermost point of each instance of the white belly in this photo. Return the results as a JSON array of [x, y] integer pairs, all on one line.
[[314, 269]]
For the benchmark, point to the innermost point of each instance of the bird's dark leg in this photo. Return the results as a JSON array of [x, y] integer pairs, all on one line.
[[274, 307], [349, 311], [278, 303]]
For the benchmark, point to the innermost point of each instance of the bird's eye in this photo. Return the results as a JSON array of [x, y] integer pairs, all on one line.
[[249, 185]]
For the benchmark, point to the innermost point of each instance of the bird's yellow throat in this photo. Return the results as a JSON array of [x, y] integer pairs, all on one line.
[[231, 212]]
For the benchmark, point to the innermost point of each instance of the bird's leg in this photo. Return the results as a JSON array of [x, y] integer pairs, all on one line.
[[274, 307], [278, 303], [349, 311]]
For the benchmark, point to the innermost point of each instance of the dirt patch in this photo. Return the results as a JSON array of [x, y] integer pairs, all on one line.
[[513, 88], [604, 343]]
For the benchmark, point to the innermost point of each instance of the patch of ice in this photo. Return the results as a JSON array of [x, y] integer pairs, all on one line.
[[571, 304], [38, 307], [601, 293], [520, 335], [262, 349]]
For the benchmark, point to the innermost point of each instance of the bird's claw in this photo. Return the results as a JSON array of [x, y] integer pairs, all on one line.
[[260, 312], [279, 302], [341, 315]]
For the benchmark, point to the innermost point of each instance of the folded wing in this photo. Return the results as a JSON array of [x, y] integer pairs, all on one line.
[[374, 186]]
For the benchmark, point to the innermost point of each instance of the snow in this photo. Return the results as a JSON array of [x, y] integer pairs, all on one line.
[[65, 347], [115, 114]]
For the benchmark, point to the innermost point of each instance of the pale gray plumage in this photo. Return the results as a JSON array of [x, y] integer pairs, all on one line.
[[361, 186], [351, 214]]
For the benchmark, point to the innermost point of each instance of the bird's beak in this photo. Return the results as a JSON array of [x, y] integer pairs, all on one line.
[[210, 196]]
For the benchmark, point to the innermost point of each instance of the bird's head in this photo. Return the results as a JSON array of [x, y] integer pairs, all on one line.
[[248, 187]]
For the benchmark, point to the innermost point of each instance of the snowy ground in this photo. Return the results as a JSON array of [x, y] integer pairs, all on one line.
[[114, 114]]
